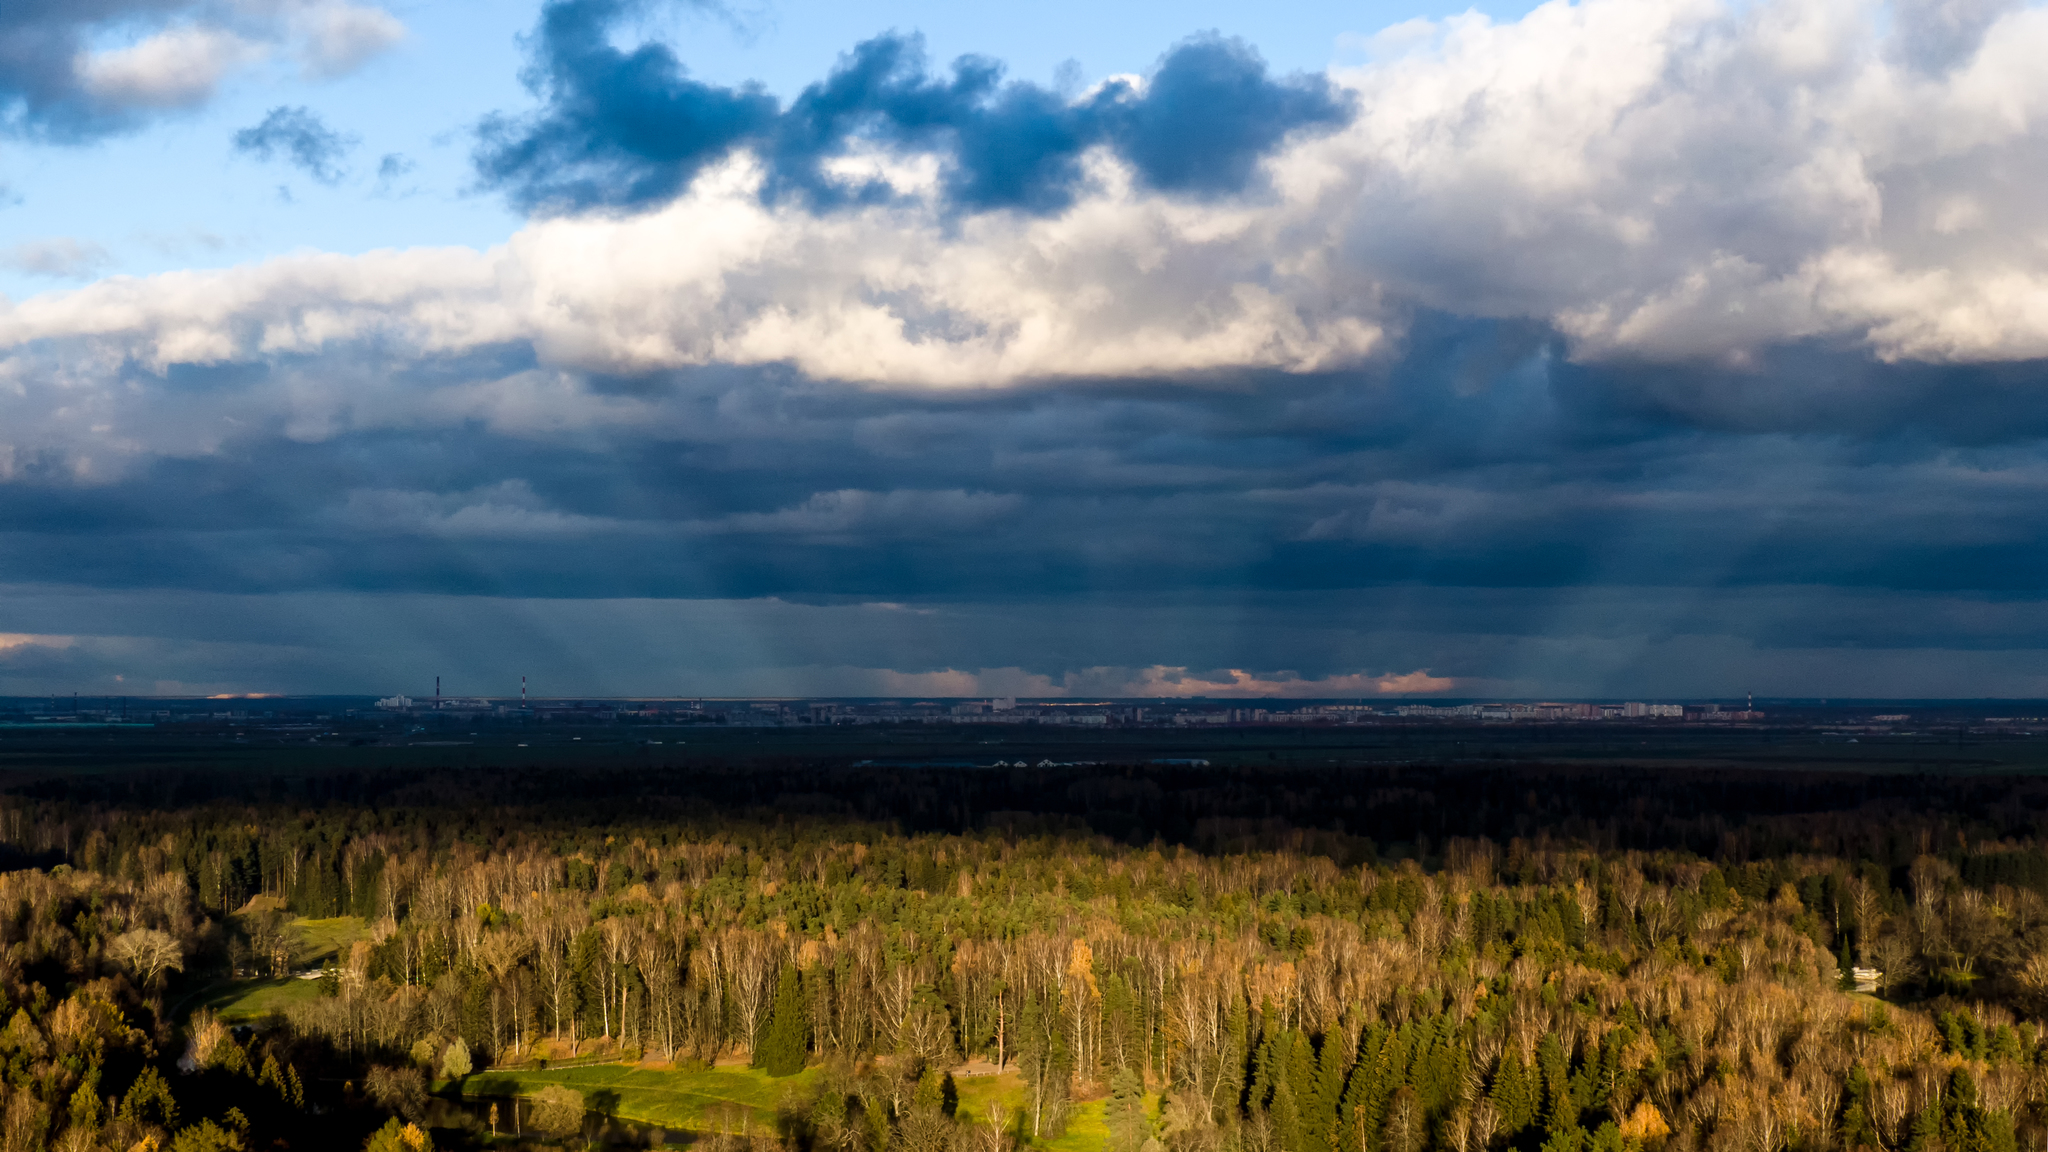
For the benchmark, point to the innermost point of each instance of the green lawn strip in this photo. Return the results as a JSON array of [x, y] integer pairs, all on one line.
[[976, 1092], [325, 939], [1087, 1129], [1087, 1123], [648, 1095], [684, 1100], [248, 999]]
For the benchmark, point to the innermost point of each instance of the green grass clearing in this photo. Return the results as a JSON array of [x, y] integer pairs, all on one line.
[[690, 1100], [976, 1092], [1087, 1129], [250, 999], [671, 1099], [322, 940], [1087, 1122]]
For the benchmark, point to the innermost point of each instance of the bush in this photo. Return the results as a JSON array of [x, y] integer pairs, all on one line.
[[400, 1090], [557, 1110], [395, 1136], [455, 1061]]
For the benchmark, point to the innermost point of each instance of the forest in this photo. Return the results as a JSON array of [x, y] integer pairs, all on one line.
[[1446, 958]]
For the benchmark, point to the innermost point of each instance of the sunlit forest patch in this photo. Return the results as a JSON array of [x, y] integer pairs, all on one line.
[[1658, 963]]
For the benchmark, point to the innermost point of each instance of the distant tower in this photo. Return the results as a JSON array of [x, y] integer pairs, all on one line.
[[522, 691], [437, 692]]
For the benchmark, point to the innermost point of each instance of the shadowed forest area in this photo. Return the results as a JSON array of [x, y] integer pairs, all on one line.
[[1143, 958]]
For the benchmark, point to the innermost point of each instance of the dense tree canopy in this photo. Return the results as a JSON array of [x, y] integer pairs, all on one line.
[[1272, 988]]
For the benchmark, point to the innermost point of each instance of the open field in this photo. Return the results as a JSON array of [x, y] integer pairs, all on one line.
[[318, 941], [690, 1100], [314, 943], [253, 999], [664, 1097]]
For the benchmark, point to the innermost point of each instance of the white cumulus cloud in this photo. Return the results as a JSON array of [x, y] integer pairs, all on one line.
[[1659, 180], [175, 68], [337, 39]]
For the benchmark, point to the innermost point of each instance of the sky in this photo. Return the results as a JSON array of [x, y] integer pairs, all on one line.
[[1654, 349]]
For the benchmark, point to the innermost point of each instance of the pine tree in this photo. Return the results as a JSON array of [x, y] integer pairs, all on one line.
[[1286, 1117], [783, 1042], [1513, 1095], [1607, 1138], [1858, 1130], [1560, 1104], [1299, 1081], [1319, 1115], [1125, 1112]]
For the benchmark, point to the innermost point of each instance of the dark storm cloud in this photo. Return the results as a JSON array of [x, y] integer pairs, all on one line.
[[1480, 458], [1478, 506], [631, 128], [300, 138]]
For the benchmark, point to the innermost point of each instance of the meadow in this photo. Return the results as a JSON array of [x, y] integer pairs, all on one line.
[[702, 1100]]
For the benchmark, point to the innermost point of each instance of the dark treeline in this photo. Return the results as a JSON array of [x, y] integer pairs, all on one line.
[[1211, 809], [1347, 960]]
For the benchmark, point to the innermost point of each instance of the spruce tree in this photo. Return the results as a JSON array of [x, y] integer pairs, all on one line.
[[783, 1042], [1125, 1112], [1319, 1116], [1857, 1129], [1299, 1078], [1513, 1095], [1560, 1104], [1236, 1051]]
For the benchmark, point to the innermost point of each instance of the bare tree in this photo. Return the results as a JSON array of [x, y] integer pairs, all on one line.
[[148, 954], [500, 952], [751, 956]]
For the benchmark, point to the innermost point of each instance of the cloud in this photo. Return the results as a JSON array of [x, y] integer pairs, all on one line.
[[302, 139], [176, 68], [1419, 681], [1627, 344], [61, 257], [1123, 683], [505, 511], [338, 39], [75, 72], [854, 515], [1612, 643], [630, 129], [1934, 35], [1237, 683], [1132, 284], [393, 167], [1708, 215], [10, 641]]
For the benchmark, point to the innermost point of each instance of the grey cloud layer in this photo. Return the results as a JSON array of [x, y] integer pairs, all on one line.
[[1627, 641], [1432, 468]]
